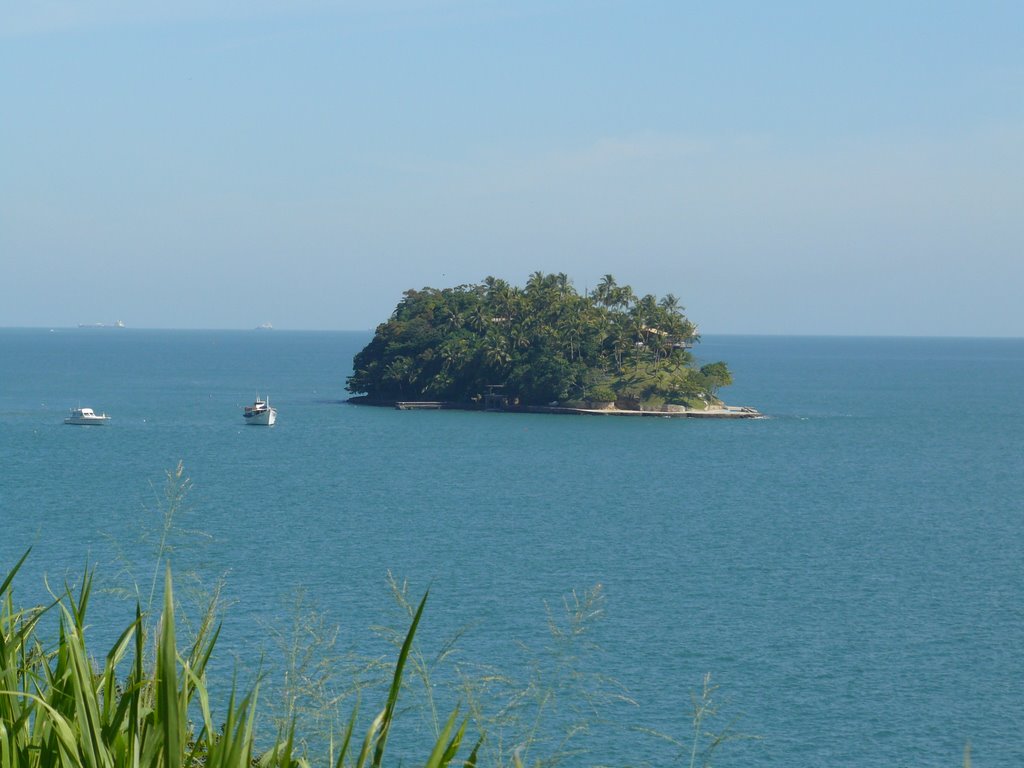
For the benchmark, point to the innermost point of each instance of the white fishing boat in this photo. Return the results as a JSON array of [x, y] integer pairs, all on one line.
[[260, 413], [84, 417]]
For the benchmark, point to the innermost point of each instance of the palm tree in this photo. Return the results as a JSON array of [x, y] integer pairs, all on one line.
[[479, 318], [453, 352], [574, 326], [622, 342], [400, 371], [535, 283], [495, 351], [453, 320], [670, 303], [518, 337], [605, 292], [623, 297]]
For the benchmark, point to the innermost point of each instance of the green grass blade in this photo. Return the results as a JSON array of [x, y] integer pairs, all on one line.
[[348, 738], [200, 657], [207, 730], [471, 761], [10, 576], [245, 742], [86, 709], [396, 685], [83, 599], [281, 754], [64, 733], [371, 736], [454, 744], [289, 745], [233, 748], [135, 694], [113, 715], [444, 750], [168, 715]]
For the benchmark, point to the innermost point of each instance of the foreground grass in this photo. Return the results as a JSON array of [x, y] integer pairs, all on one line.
[[59, 708], [148, 702]]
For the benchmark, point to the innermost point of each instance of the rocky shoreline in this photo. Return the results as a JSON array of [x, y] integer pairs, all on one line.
[[668, 411], [675, 411]]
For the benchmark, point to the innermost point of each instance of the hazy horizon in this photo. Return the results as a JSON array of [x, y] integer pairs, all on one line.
[[238, 329]]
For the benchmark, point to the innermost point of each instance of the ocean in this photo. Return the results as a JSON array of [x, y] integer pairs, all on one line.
[[849, 570]]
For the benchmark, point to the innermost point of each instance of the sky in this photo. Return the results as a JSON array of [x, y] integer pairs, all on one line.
[[782, 168]]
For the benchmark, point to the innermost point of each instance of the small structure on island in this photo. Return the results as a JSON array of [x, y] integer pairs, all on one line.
[[494, 400]]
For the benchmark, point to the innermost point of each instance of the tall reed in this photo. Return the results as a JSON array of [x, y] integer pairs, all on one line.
[[58, 708]]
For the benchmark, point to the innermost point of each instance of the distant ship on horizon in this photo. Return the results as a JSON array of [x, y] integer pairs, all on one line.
[[118, 324], [264, 327]]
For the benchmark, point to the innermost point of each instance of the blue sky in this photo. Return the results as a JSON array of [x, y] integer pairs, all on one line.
[[793, 168]]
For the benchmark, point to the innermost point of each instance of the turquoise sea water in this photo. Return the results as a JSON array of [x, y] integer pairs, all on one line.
[[850, 570]]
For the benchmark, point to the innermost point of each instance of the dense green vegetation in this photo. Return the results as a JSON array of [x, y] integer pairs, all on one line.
[[540, 344]]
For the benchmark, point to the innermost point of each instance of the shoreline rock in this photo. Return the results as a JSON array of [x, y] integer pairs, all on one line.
[[668, 411]]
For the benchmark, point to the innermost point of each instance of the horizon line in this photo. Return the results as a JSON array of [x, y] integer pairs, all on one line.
[[250, 329]]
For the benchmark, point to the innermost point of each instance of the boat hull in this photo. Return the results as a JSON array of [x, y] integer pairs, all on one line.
[[262, 419], [95, 421]]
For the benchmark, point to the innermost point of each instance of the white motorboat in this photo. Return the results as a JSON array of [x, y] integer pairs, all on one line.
[[260, 413], [84, 417]]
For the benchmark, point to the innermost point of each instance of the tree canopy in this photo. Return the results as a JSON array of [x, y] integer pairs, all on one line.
[[541, 343]]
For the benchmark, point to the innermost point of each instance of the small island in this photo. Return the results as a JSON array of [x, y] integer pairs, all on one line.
[[541, 348]]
